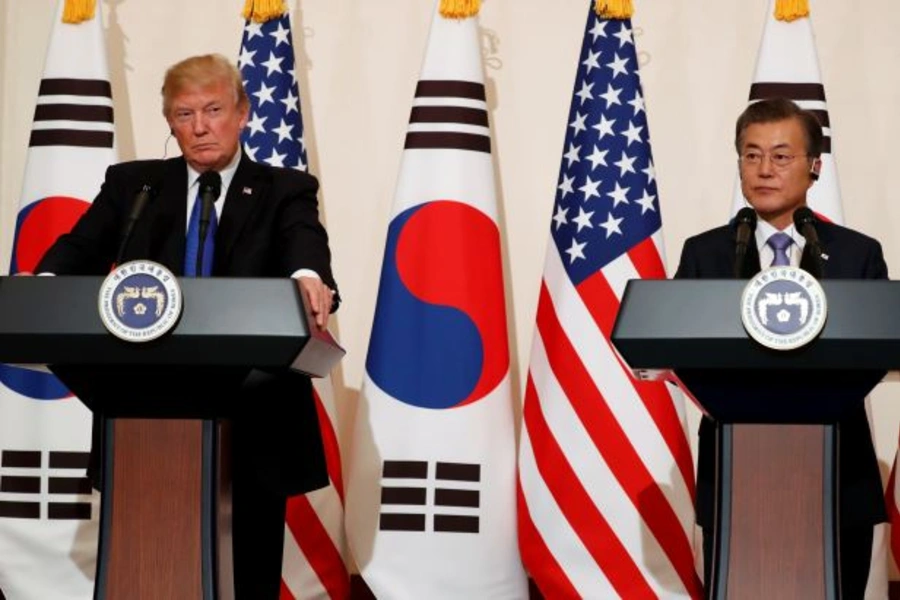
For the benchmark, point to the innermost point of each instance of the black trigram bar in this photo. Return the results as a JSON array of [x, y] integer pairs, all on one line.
[[71, 137], [452, 140], [450, 88], [795, 91], [462, 498], [16, 484], [73, 112], [455, 524], [69, 485], [458, 471], [69, 460], [69, 511], [401, 522], [405, 469], [75, 87], [403, 495], [449, 114], [21, 459], [20, 510]]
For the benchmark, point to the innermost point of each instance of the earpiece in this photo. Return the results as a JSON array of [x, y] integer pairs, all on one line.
[[814, 169]]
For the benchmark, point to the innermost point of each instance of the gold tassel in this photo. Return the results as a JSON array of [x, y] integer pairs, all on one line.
[[459, 9], [614, 9], [790, 10], [78, 11], [263, 10]]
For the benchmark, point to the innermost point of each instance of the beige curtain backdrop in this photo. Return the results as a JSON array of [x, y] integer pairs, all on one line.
[[358, 64]]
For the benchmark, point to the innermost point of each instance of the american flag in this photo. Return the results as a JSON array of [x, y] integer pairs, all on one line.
[[314, 547], [606, 479], [274, 134]]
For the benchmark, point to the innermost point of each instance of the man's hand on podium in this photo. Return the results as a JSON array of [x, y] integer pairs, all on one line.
[[319, 298]]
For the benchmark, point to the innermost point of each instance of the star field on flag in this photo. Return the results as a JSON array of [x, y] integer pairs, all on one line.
[[267, 66]]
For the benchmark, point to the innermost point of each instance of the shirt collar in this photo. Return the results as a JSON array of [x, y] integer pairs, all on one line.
[[227, 173], [765, 230]]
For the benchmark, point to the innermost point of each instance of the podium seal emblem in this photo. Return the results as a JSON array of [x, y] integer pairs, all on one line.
[[140, 301], [783, 308]]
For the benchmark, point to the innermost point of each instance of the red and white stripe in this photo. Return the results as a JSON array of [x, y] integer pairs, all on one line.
[[892, 497], [314, 564], [606, 480]]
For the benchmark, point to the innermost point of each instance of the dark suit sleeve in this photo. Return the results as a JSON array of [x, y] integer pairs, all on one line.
[[90, 247], [302, 239], [876, 267], [687, 265]]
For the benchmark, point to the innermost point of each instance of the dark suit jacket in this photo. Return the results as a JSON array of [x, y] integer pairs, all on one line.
[[269, 228], [851, 255]]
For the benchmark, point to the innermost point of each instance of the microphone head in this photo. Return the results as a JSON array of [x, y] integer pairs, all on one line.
[[804, 216], [210, 183], [746, 216]]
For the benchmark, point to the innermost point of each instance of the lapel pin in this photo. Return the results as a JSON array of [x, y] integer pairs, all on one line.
[[247, 191]]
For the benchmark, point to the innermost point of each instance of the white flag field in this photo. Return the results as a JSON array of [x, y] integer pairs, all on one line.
[[48, 515], [431, 497]]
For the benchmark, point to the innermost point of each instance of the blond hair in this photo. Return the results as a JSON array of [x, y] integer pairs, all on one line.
[[202, 72]]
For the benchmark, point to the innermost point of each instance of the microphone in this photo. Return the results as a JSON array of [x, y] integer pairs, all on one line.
[[745, 223], [805, 222], [210, 186], [143, 196]]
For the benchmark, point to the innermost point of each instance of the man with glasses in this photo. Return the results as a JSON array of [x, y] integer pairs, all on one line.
[[778, 146]]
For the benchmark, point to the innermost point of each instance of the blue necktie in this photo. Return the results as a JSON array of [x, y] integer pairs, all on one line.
[[193, 242], [780, 242]]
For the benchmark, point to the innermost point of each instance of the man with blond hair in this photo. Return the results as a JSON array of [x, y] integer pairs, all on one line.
[[267, 226]]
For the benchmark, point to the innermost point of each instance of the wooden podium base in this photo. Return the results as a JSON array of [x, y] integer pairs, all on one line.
[[776, 521], [165, 525]]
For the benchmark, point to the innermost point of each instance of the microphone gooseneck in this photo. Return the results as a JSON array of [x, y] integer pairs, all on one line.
[[805, 222], [141, 199], [745, 225], [210, 184]]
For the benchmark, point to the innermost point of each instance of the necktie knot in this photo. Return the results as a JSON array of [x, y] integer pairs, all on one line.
[[780, 242]]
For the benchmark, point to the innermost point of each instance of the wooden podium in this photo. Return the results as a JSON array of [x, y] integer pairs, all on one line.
[[776, 512], [165, 524]]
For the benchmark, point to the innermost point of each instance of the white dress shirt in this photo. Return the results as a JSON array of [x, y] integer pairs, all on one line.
[[764, 231]]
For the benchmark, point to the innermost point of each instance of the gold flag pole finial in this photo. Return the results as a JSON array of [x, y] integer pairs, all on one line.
[[261, 11], [614, 9], [790, 10], [78, 11], [459, 9]]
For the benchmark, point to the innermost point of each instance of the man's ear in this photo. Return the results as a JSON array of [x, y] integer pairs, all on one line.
[[245, 114], [815, 168]]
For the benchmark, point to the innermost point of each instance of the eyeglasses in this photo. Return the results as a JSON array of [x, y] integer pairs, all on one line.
[[754, 158]]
